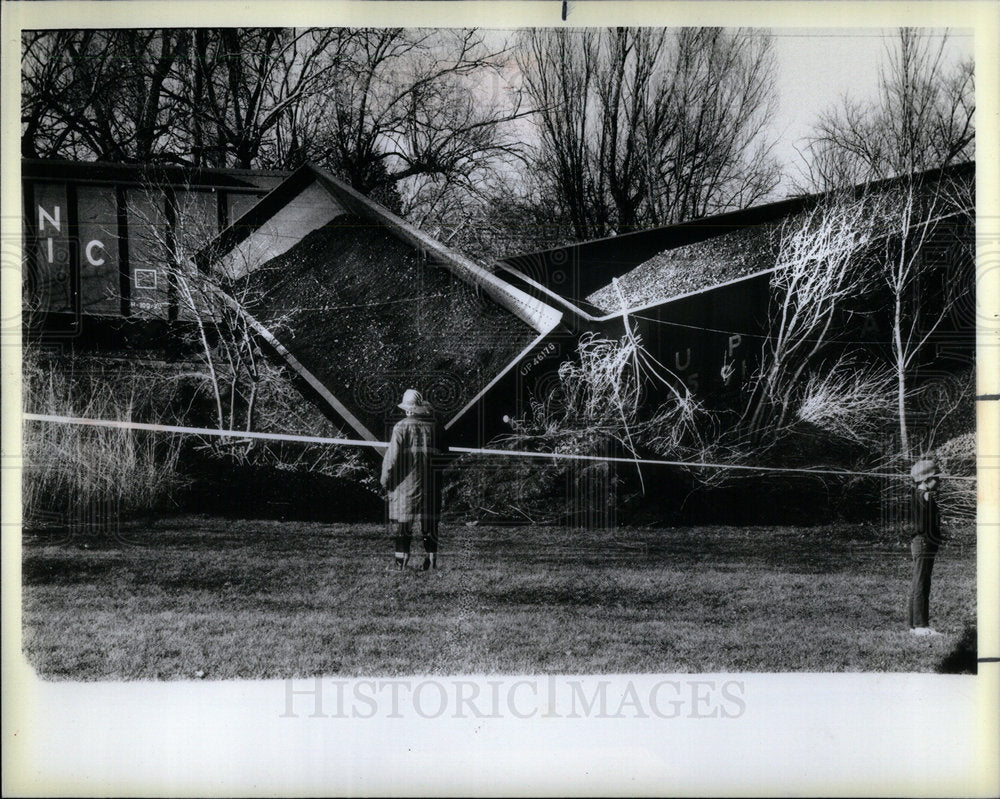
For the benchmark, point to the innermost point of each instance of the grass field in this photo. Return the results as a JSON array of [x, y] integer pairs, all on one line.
[[260, 599]]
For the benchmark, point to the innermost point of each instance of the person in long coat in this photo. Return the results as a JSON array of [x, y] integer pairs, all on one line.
[[411, 474]]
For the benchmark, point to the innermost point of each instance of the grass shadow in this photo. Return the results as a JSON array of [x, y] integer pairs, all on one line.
[[62, 570], [963, 658]]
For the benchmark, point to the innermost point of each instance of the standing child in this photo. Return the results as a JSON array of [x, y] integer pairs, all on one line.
[[924, 544]]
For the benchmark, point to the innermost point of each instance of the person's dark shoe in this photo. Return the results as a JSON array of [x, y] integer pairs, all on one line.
[[426, 564]]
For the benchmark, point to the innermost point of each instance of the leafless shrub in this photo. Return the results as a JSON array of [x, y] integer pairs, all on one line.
[[599, 406], [247, 392], [847, 402]]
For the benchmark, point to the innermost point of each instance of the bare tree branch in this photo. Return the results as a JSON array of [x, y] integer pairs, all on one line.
[[642, 127], [922, 118]]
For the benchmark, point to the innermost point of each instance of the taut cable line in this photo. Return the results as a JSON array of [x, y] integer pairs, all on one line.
[[349, 442]]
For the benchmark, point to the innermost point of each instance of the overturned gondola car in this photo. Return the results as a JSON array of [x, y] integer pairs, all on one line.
[[362, 305]]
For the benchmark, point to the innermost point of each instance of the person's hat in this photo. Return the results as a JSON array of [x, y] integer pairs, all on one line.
[[413, 401], [923, 470]]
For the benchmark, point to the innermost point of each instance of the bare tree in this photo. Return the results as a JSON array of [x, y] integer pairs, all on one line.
[[249, 89], [225, 341], [203, 97], [642, 127], [716, 154], [46, 83], [922, 117], [101, 95], [907, 246], [408, 104], [821, 264], [922, 287], [558, 69]]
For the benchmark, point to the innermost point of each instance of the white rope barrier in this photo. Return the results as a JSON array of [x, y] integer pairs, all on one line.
[[688, 464], [200, 431], [348, 442]]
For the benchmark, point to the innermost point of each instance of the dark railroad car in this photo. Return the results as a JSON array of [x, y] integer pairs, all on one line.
[[701, 294], [96, 235]]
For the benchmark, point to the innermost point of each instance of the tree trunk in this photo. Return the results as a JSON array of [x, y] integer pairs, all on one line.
[[897, 345]]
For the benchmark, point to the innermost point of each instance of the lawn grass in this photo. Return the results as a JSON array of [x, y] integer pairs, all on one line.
[[267, 599]]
